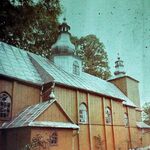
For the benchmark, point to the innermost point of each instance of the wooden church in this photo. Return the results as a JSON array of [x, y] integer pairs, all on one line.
[[52, 104]]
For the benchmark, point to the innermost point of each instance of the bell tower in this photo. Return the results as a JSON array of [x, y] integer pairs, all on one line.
[[128, 85]]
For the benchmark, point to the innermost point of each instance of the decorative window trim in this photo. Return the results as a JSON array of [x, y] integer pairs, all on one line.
[[5, 106], [83, 113], [53, 138], [108, 116], [76, 68]]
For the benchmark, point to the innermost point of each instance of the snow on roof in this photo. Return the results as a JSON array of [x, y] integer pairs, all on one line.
[[142, 125], [53, 124], [24, 65]]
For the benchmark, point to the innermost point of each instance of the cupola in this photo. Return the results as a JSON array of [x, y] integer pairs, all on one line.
[[63, 52], [127, 84], [119, 66], [63, 45]]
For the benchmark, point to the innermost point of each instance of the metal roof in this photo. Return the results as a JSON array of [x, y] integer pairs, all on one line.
[[28, 115], [27, 118], [27, 66], [84, 81], [15, 63]]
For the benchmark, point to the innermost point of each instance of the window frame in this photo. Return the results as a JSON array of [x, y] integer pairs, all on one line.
[[76, 68], [108, 115], [83, 113], [9, 101], [53, 140]]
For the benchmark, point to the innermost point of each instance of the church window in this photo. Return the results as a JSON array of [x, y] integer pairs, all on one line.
[[83, 113], [126, 120], [76, 68], [108, 117], [54, 138], [5, 105]]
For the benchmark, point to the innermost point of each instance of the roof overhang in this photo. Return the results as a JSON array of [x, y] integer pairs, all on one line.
[[49, 124]]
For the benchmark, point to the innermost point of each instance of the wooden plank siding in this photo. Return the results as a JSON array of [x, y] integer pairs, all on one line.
[[53, 113], [64, 138], [22, 95], [70, 99]]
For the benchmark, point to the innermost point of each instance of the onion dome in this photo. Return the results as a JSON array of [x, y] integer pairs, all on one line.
[[119, 66], [63, 45]]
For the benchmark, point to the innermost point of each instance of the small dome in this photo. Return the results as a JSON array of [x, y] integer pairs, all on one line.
[[63, 44]]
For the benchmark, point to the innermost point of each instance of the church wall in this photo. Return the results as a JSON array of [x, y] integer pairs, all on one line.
[[138, 116], [67, 97], [53, 113], [84, 141], [109, 138], [133, 91], [135, 137], [95, 109], [21, 135], [117, 112], [64, 136], [145, 137], [98, 140], [121, 137], [6, 86], [71, 99], [132, 116], [22, 95], [121, 84]]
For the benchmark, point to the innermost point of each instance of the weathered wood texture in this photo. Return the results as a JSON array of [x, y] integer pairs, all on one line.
[[17, 138], [22, 95], [53, 113], [64, 138]]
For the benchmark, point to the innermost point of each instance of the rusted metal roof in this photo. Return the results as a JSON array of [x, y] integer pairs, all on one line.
[[27, 66], [27, 118]]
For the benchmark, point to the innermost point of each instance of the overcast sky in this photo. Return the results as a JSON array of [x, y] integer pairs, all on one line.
[[123, 26]]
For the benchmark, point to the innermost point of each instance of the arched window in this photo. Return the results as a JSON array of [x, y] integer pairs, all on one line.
[[5, 105], [83, 113], [126, 120], [108, 117], [54, 138], [76, 68]]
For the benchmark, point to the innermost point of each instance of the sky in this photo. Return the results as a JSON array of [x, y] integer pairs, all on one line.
[[123, 26]]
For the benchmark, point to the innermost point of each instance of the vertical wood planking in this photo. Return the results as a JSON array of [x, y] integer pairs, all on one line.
[[103, 107]]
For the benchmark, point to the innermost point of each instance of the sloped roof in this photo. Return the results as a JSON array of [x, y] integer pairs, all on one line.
[[30, 67], [15, 63], [27, 118], [84, 81], [142, 125]]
